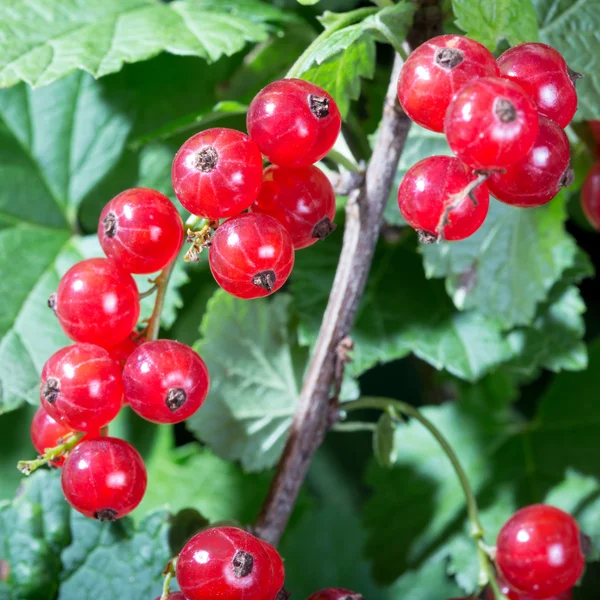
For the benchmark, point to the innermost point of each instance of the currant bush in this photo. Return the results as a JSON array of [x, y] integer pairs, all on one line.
[[97, 302], [435, 71], [251, 255], [434, 198], [539, 551], [104, 478], [590, 196], [141, 230], [165, 381], [217, 173], [47, 433], [295, 123], [302, 200]]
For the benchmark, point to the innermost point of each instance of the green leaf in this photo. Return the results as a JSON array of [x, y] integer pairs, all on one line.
[[255, 368], [391, 24], [45, 40], [509, 265], [491, 22], [571, 28]]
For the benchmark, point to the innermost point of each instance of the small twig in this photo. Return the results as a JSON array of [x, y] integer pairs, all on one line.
[[148, 292], [343, 357], [162, 283], [70, 441]]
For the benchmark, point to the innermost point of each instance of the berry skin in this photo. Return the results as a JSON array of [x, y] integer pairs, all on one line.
[[97, 302], [426, 201], [81, 387], [302, 200], [538, 177], [590, 196], [251, 255], [225, 563], [295, 123], [278, 569], [491, 123], [47, 433], [544, 75], [122, 351], [217, 173], [141, 230], [435, 71], [104, 478], [539, 551], [165, 381], [335, 594], [513, 595]]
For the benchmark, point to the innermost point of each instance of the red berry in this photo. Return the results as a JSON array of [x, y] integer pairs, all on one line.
[[217, 173], [47, 433], [122, 351], [278, 569], [141, 230], [97, 302], [81, 387], [295, 123], [514, 595], [431, 199], [590, 196], [165, 381], [302, 200], [544, 75], [538, 177], [251, 255], [539, 551], [104, 478], [491, 123], [225, 563], [435, 71], [335, 594]]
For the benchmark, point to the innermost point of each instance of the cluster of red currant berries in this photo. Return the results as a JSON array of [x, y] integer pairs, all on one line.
[[84, 386], [503, 120], [218, 174], [540, 555], [590, 192]]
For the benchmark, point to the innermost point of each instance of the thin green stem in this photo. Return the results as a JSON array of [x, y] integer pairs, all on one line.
[[161, 283], [169, 573], [29, 466], [343, 161], [352, 427], [343, 20]]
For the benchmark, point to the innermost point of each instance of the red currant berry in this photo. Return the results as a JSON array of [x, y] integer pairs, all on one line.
[[491, 123], [295, 123], [435, 71], [165, 381], [141, 230], [251, 255], [104, 478], [302, 200], [122, 351], [514, 595], [539, 551], [335, 594], [590, 196], [434, 199], [217, 173], [278, 569], [538, 177], [544, 75], [81, 387], [47, 433], [225, 563], [97, 302]]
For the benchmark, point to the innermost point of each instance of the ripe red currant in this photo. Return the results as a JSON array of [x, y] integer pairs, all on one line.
[[302, 200], [251, 255], [539, 551], [335, 594], [538, 177], [278, 570], [435, 71], [165, 381], [514, 595], [434, 199], [97, 302], [590, 196], [122, 351], [141, 230], [104, 478], [225, 563], [217, 173], [544, 75], [491, 123], [295, 123], [47, 433], [81, 387]]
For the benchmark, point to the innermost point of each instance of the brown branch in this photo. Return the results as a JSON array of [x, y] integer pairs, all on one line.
[[364, 213]]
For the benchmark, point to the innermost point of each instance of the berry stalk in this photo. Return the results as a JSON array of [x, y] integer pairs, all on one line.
[[168, 573], [161, 283], [27, 467]]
